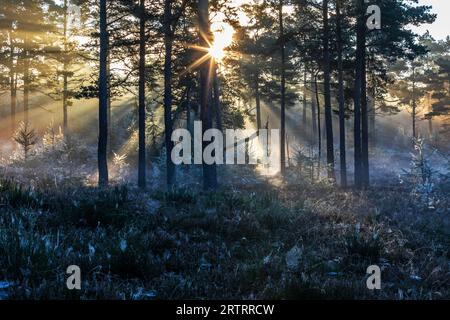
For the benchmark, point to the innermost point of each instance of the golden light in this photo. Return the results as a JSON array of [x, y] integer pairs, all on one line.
[[222, 33], [223, 37]]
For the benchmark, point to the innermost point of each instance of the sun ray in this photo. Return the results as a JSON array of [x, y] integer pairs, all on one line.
[[206, 38], [200, 48], [211, 69], [196, 63], [222, 33]]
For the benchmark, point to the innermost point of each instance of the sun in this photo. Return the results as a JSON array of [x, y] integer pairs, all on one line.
[[215, 51], [223, 37]]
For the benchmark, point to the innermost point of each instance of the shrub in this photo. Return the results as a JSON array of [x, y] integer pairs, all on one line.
[[26, 137]]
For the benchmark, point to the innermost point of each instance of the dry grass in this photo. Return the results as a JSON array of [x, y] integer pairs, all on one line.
[[233, 244]]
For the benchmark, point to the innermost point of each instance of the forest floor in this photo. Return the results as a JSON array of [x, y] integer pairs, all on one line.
[[263, 240]]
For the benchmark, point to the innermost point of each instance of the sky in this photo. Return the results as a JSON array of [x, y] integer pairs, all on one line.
[[440, 29]]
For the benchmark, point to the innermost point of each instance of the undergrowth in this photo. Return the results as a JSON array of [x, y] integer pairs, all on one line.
[[297, 242]]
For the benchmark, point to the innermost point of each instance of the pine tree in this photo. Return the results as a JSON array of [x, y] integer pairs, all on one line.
[[209, 170], [103, 98]]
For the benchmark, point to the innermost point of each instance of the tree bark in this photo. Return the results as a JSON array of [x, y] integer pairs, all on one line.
[[209, 170], [358, 92], [372, 116], [313, 113], [168, 122], [110, 129], [343, 162], [283, 93], [65, 75], [319, 130], [414, 105], [142, 168], [217, 106], [364, 120], [327, 92], [190, 117], [26, 80], [305, 91], [258, 103], [103, 99], [13, 84]]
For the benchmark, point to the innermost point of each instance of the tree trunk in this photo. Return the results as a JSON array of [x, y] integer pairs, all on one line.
[[305, 92], [217, 106], [65, 75], [313, 114], [358, 91], [283, 93], [372, 117], [26, 81], [168, 42], [190, 117], [414, 105], [142, 168], [258, 103], [319, 130], [13, 90], [343, 162], [103, 99], [364, 120], [209, 170], [26, 91], [110, 135], [13, 84], [430, 119], [327, 93]]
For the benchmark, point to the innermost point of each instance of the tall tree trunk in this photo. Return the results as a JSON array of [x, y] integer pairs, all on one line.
[[343, 162], [327, 92], [258, 103], [313, 112], [65, 74], [13, 96], [364, 120], [358, 91], [26, 80], [26, 91], [209, 170], [372, 116], [110, 129], [142, 168], [283, 93], [190, 117], [168, 122], [103, 99], [414, 105], [319, 130], [13, 83], [217, 106], [305, 92], [430, 127], [430, 119]]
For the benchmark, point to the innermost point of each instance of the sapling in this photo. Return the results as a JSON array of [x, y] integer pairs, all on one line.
[[52, 138], [26, 137], [421, 173]]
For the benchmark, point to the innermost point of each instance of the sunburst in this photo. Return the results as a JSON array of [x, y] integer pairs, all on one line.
[[216, 50]]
